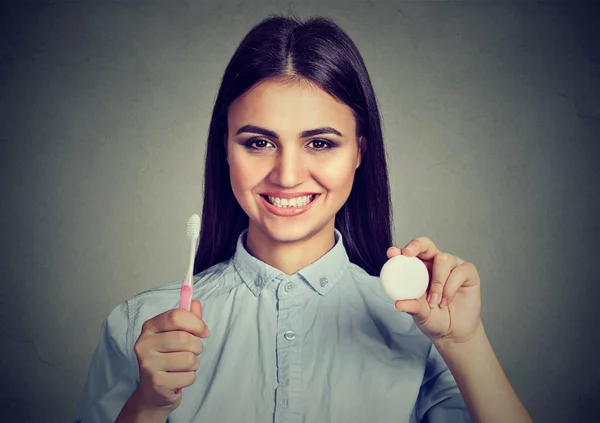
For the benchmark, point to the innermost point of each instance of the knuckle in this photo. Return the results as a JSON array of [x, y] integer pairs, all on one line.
[[172, 317], [190, 360], [442, 258], [178, 340], [140, 348], [471, 267], [424, 243], [469, 270], [147, 326], [196, 365], [146, 362], [137, 348], [461, 270], [437, 286], [181, 337]]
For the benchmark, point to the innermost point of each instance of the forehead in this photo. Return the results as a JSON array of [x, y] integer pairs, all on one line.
[[290, 106]]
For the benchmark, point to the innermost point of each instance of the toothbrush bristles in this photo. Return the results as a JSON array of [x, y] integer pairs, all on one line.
[[193, 227]]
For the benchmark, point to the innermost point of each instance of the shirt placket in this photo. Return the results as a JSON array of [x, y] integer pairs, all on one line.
[[288, 408]]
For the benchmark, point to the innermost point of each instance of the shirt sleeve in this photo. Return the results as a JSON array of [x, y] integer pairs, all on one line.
[[112, 375], [439, 399]]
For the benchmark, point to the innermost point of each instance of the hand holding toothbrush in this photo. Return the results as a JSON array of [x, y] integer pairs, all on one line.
[[168, 348], [167, 352]]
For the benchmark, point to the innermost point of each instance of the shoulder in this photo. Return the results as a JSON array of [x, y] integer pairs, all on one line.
[[131, 314]]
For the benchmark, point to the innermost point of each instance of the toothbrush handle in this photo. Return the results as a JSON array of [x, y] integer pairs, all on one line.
[[187, 290], [185, 300]]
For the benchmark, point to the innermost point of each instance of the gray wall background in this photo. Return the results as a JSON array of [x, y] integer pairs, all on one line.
[[491, 114]]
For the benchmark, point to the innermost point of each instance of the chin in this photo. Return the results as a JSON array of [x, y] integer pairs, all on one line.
[[290, 232]]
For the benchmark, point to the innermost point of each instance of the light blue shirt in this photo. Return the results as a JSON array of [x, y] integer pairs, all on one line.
[[322, 345]]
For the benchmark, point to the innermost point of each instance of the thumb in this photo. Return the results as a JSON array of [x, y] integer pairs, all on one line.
[[196, 308]]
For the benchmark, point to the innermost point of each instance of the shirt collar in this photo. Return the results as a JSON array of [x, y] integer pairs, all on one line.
[[321, 275]]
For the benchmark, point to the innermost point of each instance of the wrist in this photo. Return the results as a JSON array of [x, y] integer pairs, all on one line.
[[136, 410], [451, 345]]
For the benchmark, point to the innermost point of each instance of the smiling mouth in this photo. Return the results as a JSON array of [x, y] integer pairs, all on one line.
[[279, 204]]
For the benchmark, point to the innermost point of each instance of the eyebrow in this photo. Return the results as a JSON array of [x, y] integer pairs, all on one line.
[[305, 134]]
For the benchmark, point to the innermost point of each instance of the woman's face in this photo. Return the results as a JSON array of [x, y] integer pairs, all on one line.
[[270, 148]]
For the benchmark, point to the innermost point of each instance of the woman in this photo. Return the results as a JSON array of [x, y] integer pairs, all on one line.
[[295, 230]]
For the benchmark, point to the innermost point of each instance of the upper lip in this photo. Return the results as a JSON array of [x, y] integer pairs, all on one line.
[[287, 194]]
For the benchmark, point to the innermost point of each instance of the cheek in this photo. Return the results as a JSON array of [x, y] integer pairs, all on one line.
[[336, 177], [244, 174]]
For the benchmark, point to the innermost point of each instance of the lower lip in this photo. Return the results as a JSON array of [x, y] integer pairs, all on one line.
[[288, 211]]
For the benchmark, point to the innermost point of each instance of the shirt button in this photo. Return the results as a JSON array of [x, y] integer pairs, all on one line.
[[323, 282], [289, 287], [289, 335], [259, 282], [283, 401]]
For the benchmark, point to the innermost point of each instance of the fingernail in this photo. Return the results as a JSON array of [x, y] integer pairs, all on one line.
[[409, 247], [435, 297]]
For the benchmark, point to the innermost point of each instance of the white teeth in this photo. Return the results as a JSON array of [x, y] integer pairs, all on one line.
[[292, 202]]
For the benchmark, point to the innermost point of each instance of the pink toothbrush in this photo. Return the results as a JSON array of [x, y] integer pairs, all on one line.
[[187, 290]]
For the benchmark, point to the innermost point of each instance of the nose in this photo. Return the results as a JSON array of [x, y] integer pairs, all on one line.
[[290, 169]]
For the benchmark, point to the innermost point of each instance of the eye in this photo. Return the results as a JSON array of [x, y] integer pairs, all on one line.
[[256, 144], [320, 144]]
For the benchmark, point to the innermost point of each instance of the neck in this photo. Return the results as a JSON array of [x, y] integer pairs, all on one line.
[[289, 256]]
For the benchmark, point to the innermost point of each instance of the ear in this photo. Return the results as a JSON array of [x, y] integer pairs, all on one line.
[[361, 149]]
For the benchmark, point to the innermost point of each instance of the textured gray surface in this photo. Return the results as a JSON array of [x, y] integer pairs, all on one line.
[[491, 116]]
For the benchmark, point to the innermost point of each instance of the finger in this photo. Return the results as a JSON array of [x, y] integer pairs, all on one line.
[[181, 380], [196, 309], [421, 247], [393, 251], [443, 263], [462, 275], [168, 383], [176, 319], [177, 362], [177, 341], [418, 309]]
